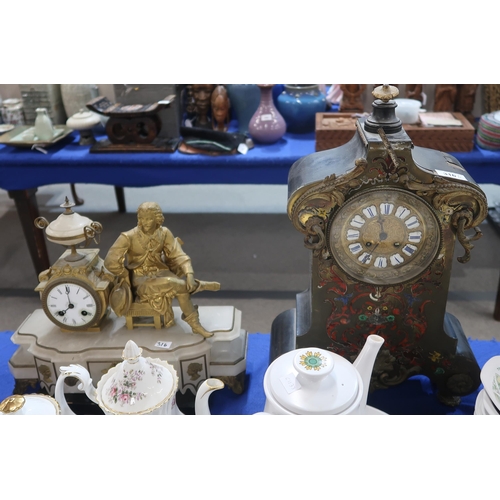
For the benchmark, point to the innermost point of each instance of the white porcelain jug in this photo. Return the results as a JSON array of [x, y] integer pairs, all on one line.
[[136, 386], [44, 131], [313, 381]]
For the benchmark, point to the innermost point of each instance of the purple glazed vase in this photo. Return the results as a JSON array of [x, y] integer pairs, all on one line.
[[266, 125]]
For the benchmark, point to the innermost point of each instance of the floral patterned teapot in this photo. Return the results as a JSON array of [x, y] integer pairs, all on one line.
[[136, 386], [313, 381]]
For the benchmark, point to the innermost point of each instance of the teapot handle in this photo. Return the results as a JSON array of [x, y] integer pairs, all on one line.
[[86, 385], [207, 387]]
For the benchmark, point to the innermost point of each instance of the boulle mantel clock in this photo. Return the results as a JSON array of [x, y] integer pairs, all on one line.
[[381, 218]]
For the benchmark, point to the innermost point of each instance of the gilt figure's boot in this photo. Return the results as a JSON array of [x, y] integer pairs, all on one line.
[[193, 320], [211, 286]]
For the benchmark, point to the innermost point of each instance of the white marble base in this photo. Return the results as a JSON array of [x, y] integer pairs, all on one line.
[[44, 348]]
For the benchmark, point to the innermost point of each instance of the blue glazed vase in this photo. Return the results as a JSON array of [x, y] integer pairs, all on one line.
[[298, 104], [245, 99]]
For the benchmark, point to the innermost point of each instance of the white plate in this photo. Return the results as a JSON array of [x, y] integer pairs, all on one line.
[[489, 407], [370, 410], [490, 378], [479, 407], [5, 127]]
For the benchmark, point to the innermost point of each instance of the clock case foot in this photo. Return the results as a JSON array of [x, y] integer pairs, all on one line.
[[460, 378]]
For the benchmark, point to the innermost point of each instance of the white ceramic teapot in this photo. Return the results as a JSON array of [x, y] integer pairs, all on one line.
[[313, 381], [136, 386], [29, 404]]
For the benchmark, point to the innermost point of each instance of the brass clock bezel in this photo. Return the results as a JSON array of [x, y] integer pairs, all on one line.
[[88, 288], [435, 241]]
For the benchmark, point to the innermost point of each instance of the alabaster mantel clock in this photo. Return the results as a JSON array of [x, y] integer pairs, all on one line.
[[381, 218], [75, 290]]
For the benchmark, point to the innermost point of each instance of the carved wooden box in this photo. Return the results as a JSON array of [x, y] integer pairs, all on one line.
[[335, 129]]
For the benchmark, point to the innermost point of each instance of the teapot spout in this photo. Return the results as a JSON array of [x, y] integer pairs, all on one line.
[[364, 363], [204, 392]]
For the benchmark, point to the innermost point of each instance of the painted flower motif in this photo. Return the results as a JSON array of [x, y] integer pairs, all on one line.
[[312, 361], [124, 391], [496, 386], [156, 371]]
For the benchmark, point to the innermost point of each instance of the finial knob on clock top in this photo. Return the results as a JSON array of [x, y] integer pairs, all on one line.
[[385, 92]]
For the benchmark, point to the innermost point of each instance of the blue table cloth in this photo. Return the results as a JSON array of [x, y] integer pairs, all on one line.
[[68, 162]]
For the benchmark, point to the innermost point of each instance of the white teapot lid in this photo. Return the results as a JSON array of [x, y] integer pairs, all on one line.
[[29, 404], [83, 120], [137, 385], [313, 381]]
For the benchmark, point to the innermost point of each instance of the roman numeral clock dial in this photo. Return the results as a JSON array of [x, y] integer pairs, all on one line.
[[384, 236], [71, 305]]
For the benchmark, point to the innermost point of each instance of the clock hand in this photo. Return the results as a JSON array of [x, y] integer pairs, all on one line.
[[67, 293], [367, 257], [62, 312], [383, 234], [70, 305]]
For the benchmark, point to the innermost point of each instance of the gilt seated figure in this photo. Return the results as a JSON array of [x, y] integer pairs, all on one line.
[[151, 270]]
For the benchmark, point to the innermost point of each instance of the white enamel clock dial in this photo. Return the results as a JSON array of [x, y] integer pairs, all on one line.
[[71, 305], [384, 236]]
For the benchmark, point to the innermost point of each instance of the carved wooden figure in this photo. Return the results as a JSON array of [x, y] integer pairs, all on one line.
[[189, 104], [352, 98], [414, 91], [464, 102], [220, 108], [491, 97], [444, 97], [202, 93]]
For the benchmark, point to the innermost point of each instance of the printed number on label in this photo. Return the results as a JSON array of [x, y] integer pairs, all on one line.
[[453, 175], [163, 345]]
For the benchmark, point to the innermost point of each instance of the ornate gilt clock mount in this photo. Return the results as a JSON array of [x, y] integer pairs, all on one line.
[[381, 217], [75, 290]]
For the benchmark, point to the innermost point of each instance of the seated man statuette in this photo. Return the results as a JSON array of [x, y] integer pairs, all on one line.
[[152, 269]]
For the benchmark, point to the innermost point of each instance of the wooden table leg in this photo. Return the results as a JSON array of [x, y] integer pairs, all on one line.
[[120, 198], [78, 201], [496, 313], [27, 209]]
